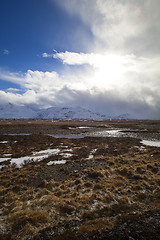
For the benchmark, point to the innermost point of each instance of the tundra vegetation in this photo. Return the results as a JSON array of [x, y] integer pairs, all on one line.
[[108, 187]]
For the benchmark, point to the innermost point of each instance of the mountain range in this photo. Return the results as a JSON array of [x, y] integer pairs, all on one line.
[[12, 111]]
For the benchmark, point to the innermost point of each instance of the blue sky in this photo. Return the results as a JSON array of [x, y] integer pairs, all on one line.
[[103, 56], [31, 27]]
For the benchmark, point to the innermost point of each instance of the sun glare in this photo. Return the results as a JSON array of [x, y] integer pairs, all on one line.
[[108, 71]]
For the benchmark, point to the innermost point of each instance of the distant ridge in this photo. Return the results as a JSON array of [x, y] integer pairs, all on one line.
[[12, 111]]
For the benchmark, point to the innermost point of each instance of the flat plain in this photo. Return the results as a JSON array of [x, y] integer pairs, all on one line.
[[79, 179]]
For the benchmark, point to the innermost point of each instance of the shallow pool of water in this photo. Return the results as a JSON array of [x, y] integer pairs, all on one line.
[[105, 133], [68, 136]]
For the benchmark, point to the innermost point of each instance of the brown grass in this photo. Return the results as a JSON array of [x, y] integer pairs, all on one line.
[[20, 219], [94, 226]]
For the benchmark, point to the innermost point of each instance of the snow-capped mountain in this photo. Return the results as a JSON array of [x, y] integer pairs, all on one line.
[[11, 111], [68, 112]]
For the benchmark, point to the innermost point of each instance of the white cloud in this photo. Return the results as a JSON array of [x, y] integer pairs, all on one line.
[[73, 58], [13, 90], [123, 26], [113, 70], [45, 55], [6, 52]]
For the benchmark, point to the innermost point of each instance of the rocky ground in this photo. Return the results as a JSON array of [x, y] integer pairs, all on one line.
[[90, 188]]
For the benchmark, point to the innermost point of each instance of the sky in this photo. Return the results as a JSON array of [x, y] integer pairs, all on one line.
[[103, 55]]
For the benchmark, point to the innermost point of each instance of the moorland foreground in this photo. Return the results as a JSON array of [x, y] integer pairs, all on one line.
[[79, 179]]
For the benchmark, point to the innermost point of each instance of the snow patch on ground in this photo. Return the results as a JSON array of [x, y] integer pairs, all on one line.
[[141, 148], [47, 151], [90, 156], [66, 155], [4, 159], [56, 162], [151, 143], [21, 160], [36, 156], [91, 153]]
